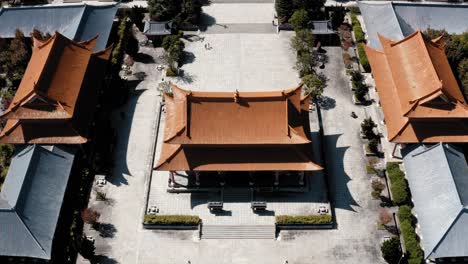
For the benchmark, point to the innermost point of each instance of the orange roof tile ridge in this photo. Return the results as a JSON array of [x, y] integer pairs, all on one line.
[[426, 51], [10, 129], [104, 53], [90, 43], [168, 158], [398, 133], [83, 139], [299, 135]]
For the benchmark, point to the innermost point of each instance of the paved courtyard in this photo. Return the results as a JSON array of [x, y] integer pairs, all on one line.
[[246, 62]]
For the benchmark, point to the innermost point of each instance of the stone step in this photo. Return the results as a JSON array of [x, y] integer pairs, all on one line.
[[238, 232]]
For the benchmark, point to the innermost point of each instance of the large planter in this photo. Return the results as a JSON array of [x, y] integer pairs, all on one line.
[[304, 226], [170, 227]]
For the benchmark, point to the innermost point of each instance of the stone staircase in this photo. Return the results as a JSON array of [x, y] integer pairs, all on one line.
[[238, 232]]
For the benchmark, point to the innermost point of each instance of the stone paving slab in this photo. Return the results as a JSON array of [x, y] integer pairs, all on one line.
[[243, 62], [258, 28], [232, 13]]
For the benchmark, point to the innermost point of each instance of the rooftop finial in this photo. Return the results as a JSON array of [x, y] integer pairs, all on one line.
[[236, 96]]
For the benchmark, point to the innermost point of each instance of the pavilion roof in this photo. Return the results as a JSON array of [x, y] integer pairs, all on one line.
[[58, 82], [235, 131], [420, 97], [238, 118]]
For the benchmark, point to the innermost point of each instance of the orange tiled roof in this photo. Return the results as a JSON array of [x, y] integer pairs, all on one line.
[[417, 90], [234, 118], [60, 76], [222, 131]]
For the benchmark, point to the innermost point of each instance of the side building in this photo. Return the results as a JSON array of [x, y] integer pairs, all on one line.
[[47, 120], [438, 178], [420, 97]]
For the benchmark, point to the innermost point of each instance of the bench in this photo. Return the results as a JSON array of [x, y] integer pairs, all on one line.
[[215, 206], [257, 206]]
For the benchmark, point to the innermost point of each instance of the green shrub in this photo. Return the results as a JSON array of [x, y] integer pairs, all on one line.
[[303, 219], [374, 145], [377, 185], [172, 219], [358, 33], [170, 72], [415, 254], [299, 19], [391, 250], [363, 57], [404, 214], [376, 194], [370, 169], [400, 192], [392, 166]]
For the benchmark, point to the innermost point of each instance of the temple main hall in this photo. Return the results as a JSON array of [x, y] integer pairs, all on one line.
[[226, 135]]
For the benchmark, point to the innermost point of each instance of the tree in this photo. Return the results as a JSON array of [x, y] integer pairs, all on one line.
[[303, 41], [191, 10], [338, 16], [20, 53], [367, 127], [40, 35], [314, 85], [174, 48], [299, 19], [90, 216], [284, 9], [87, 248], [384, 216], [361, 91], [162, 10], [463, 76], [391, 250]]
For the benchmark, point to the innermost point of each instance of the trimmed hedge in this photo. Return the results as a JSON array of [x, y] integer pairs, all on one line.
[[186, 220], [363, 57], [358, 33], [415, 253], [404, 214], [303, 219], [399, 186]]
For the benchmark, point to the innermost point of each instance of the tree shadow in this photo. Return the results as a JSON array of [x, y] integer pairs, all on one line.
[[144, 58], [189, 57], [100, 259], [341, 197], [206, 21], [185, 77], [106, 230], [392, 229], [327, 103]]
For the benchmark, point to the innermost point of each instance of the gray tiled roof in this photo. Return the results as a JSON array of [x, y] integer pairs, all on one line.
[[397, 20], [155, 28], [380, 18], [412, 16], [321, 27], [438, 179], [31, 199], [78, 22]]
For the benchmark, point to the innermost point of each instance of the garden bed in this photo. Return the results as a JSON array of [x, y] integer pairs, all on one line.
[[304, 222], [171, 221]]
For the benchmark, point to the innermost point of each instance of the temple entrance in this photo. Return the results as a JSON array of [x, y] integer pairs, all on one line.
[[236, 179]]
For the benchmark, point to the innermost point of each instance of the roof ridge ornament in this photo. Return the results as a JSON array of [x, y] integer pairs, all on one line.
[[236, 97]]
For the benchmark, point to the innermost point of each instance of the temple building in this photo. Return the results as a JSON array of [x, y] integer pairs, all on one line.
[[420, 97], [56, 98], [225, 132]]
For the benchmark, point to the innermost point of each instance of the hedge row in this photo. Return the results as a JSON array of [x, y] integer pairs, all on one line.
[[358, 33], [363, 57], [399, 187], [303, 219], [415, 253], [404, 214], [172, 220]]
